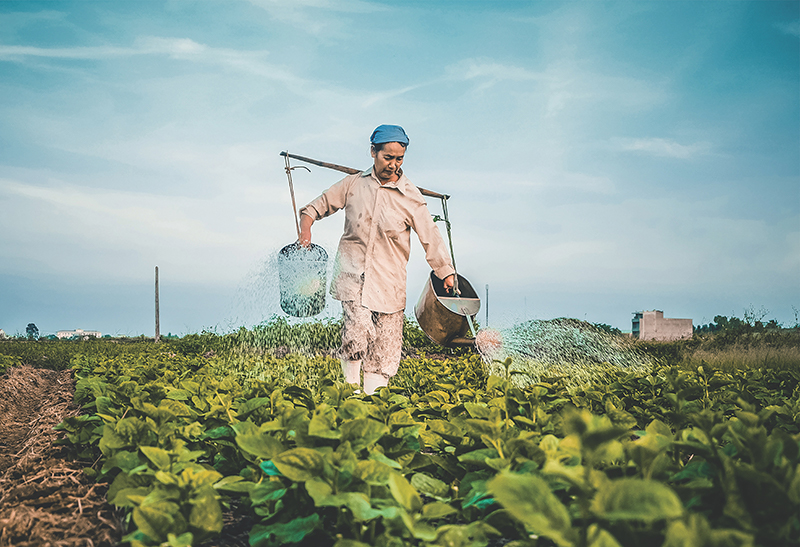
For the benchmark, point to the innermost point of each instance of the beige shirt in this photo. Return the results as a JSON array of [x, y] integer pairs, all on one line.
[[377, 238]]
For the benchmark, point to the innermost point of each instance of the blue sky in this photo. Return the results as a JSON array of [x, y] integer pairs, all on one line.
[[602, 157]]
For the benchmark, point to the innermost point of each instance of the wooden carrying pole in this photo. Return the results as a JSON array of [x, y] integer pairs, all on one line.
[[352, 171]]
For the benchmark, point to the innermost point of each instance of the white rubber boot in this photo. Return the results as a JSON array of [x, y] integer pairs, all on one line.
[[352, 372], [373, 382]]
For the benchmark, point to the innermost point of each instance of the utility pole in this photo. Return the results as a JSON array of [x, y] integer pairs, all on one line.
[[487, 305], [158, 331]]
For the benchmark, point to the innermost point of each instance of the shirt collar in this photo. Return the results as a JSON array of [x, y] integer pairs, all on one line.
[[399, 184]]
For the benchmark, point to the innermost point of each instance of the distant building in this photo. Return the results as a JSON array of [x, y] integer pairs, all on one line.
[[78, 333], [2, 334], [652, 325]]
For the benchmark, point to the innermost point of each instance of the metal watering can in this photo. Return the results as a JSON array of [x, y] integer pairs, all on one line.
[[303, 277], [448, 317], [302, 272]]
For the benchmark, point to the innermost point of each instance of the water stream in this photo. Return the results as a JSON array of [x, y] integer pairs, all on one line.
[[574, 350]]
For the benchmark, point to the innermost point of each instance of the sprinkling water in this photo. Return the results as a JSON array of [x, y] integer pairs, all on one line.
[[575, 350]]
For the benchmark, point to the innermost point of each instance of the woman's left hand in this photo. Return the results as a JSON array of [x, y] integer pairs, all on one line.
[[449, 282]]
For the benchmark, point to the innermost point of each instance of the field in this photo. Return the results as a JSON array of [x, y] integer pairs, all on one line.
[[252, 438]]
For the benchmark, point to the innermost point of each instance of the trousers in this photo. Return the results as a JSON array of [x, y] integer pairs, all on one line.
[[373, 337]]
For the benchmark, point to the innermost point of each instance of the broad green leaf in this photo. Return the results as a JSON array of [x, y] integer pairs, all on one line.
[[595, 439], [529, 499], [198, 477], [283, 533], [498, 464], [373, 472], [250, 406], [380, 457], [299, 464], [105, 406], [637, 499], [112, 441], [495, 382], [429, 485], [269, 469], [266, 491], [123, 459], [357, 502], [404, 493], [658, 427], [157, 520], [158, 495], [446, 430], [418, 528], [166, 478], [206, 515], [130, 497], [694, 530], [599, 537], [158, 456], [185, 455], [244, 428], [474, 534], [323, 423], [401, 418], [169, 409], [793, 491], [350, 543], [123, 481], [183, 540], [234, 484], [477, 410], [353, 409], [261, 445], [478, 457], [363, 432], [437, 510], [222, 432], [179, 395]]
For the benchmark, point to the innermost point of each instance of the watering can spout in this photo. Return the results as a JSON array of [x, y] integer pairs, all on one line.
[[461, 342]]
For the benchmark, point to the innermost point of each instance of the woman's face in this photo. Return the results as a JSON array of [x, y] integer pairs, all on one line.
[[388, 161]]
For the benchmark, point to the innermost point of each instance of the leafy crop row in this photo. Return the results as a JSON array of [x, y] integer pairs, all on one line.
[[447, 456]]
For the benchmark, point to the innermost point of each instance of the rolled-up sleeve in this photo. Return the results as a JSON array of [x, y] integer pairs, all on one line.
[[432, 242]]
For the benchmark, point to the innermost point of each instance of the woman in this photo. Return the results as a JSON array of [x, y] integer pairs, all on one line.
[[381, 208]]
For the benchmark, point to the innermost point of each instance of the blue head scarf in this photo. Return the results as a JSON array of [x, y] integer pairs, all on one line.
[[389, 133]]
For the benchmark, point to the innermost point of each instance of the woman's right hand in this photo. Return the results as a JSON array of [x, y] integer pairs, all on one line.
[[305, 230]]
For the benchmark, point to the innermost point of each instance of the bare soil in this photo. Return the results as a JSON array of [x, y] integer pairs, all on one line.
[[45, 498]]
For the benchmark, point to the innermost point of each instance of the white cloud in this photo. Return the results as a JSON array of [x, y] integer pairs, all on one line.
[[344, 6], [488, 69], [18, 53], [563, 86], [181, 49], [320, 18], [792, 28], [142, 214], [101, 234], [665, 147]]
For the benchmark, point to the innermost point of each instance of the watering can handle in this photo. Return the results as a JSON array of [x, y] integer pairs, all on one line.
[[352, 171]]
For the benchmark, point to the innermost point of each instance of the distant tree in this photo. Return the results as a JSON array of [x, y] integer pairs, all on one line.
[[752, 322], [607, 328], [772, 324], [32, 331]]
